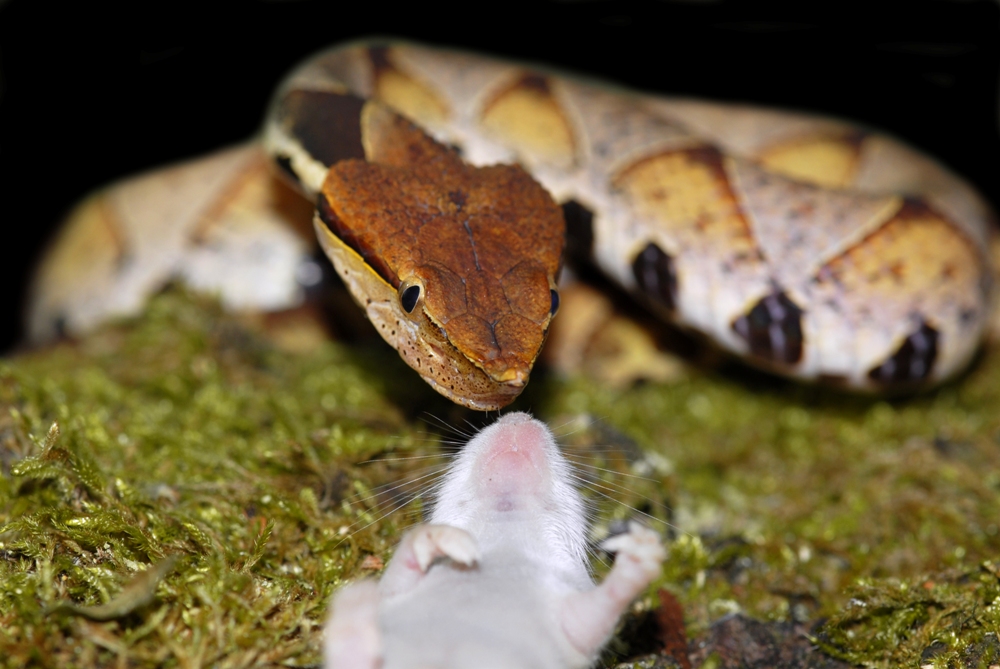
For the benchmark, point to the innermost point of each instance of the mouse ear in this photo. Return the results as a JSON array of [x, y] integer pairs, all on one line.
[[390, 139]]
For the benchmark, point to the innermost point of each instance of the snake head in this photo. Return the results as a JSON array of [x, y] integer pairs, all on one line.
[[455, 265]]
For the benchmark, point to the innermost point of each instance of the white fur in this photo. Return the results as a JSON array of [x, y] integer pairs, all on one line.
[[498, 578]]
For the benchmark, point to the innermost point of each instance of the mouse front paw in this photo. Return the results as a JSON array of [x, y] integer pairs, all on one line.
[[589, 617], [639, 552], [435, 541]]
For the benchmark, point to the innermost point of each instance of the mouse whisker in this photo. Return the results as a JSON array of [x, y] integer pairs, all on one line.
[[578, 424], [617, 473], [596, 555], [593, 448], [448, 428], [385, 489], [592, 483], [401, 503], [400, 458], [353, 528], [605, 490], [447, 445]]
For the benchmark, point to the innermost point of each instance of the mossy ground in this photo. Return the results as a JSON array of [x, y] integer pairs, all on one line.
[[188, 443]]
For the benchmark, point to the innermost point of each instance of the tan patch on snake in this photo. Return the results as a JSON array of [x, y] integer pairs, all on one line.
[[484, 246], [688, 192], [917, 269], [824, 160], [916, 253], [700, 227], [405, 93], [529, 118]]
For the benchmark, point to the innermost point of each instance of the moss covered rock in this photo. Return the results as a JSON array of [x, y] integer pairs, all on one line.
[[205, 492]]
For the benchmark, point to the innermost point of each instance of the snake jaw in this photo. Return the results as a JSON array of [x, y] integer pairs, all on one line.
[[513, 377]]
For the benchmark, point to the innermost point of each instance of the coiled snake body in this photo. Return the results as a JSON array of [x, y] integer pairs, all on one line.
[[805, 245]]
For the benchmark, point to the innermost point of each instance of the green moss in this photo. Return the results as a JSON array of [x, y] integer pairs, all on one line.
[[952, 618], [192, 508], [184, 435]]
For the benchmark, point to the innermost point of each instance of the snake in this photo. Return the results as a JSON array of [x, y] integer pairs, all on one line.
[[444, 187]]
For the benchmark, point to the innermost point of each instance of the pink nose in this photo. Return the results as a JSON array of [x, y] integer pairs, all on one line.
[[515, 465]]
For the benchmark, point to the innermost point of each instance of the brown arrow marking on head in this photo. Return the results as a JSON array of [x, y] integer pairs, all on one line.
[[484, 244]]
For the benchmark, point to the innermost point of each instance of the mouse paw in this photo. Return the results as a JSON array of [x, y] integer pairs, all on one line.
[[351, 636], [589, 617], [639, 550], [433, 541]]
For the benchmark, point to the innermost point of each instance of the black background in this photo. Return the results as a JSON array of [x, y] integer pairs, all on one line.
[[91, 91]]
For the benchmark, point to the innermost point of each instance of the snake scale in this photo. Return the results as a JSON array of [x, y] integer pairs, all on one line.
[[805, 245]]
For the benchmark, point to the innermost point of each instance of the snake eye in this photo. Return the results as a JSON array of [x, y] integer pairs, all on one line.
[[555, 302], [409, 296]]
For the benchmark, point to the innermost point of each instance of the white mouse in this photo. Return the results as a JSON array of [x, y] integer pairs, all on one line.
[[499, 577]]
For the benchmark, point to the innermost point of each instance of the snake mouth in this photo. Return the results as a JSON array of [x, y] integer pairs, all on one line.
[[481, 391], [515, 377]]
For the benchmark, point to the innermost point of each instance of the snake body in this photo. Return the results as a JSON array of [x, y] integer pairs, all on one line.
[[807, 246]]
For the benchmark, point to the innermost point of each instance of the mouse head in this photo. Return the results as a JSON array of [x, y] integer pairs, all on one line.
[[512, 480]]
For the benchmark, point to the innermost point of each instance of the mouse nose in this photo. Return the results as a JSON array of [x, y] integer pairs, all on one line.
[[515, 417], [515, 462]]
